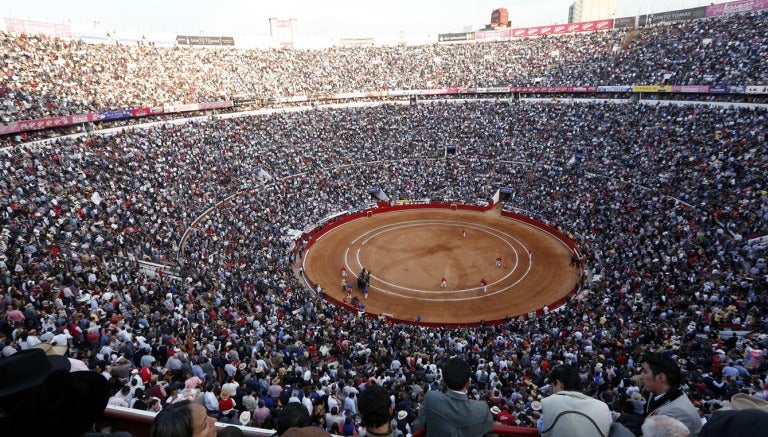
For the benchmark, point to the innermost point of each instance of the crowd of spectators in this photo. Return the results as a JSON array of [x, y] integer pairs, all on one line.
[[46, 77], [663, 202], [725, 51]]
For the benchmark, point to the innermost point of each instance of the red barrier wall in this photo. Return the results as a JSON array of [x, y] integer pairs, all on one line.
[[515, 431]]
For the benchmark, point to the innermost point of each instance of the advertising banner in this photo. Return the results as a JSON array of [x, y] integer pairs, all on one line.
[[584, 89], [459, 36], [735, 7], [524, 89], [43, 123], [68, 120], [434, 92], [553, 89], [292, 99], [85, 118], [167, 109], [214, 105], [17, 26], [614, 89], [557, 29], [140, 112], [624, 23], [690, 88], [492, 35], [718, 89], [756, 89], [651, 88], [192, 40], [397, 93], [115, 115], [495, 89], [678, 15], [46, 123]]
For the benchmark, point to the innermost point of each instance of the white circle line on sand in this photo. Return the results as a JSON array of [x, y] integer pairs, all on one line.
[[438, 292], [464, 225]]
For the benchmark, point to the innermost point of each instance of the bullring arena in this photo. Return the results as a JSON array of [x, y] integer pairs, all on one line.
[[168, 208], [410, 251]]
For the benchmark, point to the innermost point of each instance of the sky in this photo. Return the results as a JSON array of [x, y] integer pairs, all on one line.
[[318, 22]]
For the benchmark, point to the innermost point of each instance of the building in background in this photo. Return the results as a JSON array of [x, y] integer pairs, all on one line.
[[499, 19], [590, 10]]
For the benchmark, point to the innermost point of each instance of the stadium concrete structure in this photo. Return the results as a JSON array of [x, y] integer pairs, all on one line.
[[205, 230]]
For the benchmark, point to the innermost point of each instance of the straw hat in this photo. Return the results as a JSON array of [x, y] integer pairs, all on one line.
[[51, 349], [742, 401], [402, 414], [245, 417]]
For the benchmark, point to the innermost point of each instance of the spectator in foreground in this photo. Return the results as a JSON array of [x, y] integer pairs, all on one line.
[[294, 420], [452, 413], [376, 410], [748, 415], [184, 419], [569, 411], [664, 426], [40, 395], [661, 376]]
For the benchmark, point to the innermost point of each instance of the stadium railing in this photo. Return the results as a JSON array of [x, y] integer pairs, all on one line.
[[506, 430], [139, 424]]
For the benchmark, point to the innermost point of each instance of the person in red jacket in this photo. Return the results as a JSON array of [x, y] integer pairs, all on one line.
[[505, 417], [226, 402]]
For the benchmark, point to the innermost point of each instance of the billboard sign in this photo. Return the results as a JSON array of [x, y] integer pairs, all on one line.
[[453, 37], [678, 15]]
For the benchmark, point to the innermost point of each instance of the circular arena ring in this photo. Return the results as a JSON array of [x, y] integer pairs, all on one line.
[[495, 264]]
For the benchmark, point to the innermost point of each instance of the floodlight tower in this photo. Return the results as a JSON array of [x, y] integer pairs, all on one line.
[[283, 32]]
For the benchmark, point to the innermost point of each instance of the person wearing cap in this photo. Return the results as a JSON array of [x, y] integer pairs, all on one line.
[[452, 413], [661, 377], [402, 423], [570, 412], [376, 411], [226, 402], [744, 416]]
